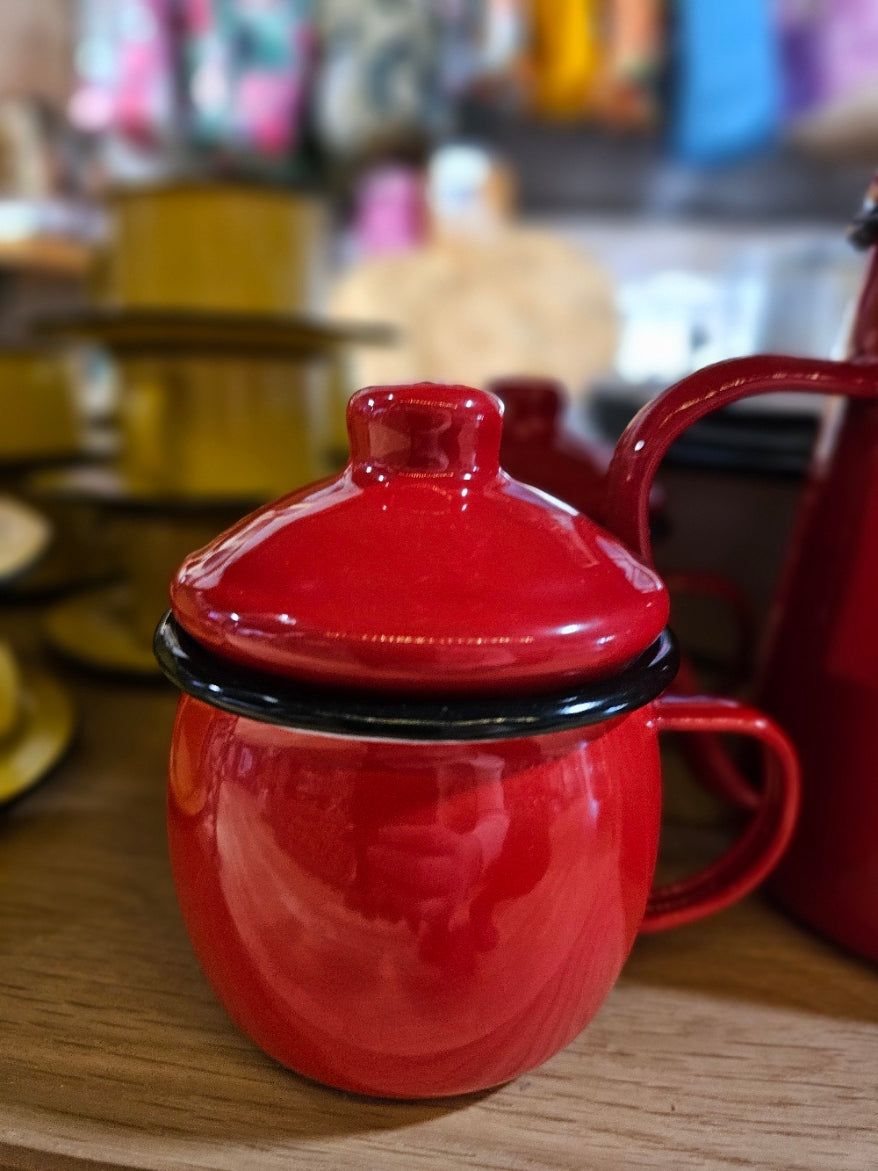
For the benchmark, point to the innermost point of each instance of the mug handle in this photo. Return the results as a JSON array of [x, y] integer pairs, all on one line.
[[744, 865], [655, 427], [707, 756]]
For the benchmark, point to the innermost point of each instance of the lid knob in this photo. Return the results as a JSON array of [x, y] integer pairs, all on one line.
[[533, 404], [425, 429]]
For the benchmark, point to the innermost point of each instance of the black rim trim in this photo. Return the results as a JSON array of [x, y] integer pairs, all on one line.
[[273, 700]]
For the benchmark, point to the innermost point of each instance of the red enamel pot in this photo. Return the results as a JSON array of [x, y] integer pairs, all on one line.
[[538, 449], [819, 667], [415, 784]]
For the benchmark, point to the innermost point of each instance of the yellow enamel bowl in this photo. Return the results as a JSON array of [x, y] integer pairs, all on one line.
[[46, 545], [25, 537], [80, 553], [111, 628]]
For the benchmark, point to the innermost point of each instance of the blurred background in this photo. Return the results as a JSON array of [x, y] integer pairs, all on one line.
[[218, 218]]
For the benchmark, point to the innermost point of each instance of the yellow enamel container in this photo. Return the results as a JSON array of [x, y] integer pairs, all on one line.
[[40, 418], [221, 426], [214, 247], [218, 406]]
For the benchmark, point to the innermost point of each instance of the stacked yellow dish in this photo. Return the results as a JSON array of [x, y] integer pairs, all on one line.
[[36, 715], [204, 300]]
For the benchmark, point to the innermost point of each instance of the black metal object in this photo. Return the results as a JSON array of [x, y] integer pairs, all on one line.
[[273, 699]]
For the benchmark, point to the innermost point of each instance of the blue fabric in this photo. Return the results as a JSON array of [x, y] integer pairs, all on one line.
[[728, 79]]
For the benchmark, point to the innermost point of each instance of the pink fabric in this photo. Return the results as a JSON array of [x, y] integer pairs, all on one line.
[[850, 46]]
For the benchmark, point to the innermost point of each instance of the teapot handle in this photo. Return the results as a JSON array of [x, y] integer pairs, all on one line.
[[652, 431], [754, 855]]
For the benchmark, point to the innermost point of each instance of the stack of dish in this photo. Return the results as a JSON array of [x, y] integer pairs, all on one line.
[[36, 715], [205, 304], [44, 428]]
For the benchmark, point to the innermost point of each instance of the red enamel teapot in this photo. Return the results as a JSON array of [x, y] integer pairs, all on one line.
[[819, 670], [415, 786], [538, 449]]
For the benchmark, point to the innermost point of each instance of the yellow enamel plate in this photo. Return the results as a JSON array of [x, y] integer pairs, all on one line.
[[40, 736], [25, 536], [95, 629]]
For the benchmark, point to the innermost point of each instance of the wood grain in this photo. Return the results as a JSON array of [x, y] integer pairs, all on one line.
[[741, 1042]]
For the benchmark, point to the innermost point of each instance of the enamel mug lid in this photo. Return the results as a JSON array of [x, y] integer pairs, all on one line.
[[422, 567]]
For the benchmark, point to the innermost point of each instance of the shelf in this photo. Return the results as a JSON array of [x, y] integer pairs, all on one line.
[[566, 169], [742, 1041], [53, 256]]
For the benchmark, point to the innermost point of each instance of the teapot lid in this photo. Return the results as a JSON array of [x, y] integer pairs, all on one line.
[[422, 567], [538, 448], [532, 405]]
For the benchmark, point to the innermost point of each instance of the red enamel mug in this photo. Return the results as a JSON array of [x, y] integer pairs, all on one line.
[[415, 784]]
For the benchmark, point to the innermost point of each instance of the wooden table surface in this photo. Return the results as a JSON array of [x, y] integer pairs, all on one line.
[[739, 1042]]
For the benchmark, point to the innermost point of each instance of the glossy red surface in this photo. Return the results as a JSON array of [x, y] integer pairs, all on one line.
[[651, 432], [820, 679], [537, 449], [820, 673], [422, 567], [417, 920], [412, 920]]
